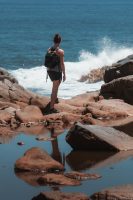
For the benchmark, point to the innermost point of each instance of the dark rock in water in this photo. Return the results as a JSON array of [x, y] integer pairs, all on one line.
[[121, 88], [120, 69], [56, 195], [37, 160], [93, 137], [115, 193]]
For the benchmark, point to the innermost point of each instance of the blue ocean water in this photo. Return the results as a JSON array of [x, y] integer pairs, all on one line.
[[27, 28], [95, 33]]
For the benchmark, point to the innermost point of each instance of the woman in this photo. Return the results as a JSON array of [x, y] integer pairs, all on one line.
[[56, 73]]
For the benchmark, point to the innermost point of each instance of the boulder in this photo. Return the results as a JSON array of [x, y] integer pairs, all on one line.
[[38, 160], [82, 99], [94, 76], [29, 114], [11, 91], [93, 137], [107, 110], [5, 75], [5, 116], [56, 195], [120, 69], [126, 126], [121, 88], [57, 179], [124, 192]]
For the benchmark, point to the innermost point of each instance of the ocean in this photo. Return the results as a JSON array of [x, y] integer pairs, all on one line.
[[94, 34]]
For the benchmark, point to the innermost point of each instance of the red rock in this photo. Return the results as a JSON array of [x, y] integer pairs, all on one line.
[[36, 159], [29, 114]]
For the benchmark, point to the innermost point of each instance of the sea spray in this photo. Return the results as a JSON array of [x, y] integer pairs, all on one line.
[[108, 53]]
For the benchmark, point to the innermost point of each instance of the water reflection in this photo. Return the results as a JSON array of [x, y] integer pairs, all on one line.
[[81, 160], [6, 135], [56, 154], [32, 178]]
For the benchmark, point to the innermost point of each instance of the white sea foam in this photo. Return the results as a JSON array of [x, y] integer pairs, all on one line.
[[35, 78]]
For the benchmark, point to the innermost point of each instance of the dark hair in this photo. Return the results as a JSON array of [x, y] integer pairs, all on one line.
[[57, 38]]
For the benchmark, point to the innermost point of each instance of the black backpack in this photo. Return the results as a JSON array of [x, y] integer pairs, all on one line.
[[51, 59]]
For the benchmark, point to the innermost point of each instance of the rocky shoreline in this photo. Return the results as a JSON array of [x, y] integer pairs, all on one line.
[[94, 119]]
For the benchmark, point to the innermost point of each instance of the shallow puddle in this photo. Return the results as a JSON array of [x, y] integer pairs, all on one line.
[[115, 168]]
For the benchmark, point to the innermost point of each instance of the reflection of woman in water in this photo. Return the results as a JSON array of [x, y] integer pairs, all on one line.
[[56, 154]]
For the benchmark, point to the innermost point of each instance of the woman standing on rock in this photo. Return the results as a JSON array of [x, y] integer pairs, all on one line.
[[54, 61]]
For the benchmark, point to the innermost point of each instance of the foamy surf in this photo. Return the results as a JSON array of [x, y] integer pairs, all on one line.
[[35, 78]]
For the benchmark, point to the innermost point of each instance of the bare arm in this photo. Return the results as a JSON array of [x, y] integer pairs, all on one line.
[[62, 64]]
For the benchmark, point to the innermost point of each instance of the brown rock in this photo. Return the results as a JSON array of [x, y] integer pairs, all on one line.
[[18, 93], [29, 114], [39, 101], [57, 179], [120, 69], [81, 176], [115, 193], [82, 99], [5, 116], [112, 112], [5, 75], [94, 76], [126, 126], [35, 159], [60, 196], [93, 137], [121, 88], [4, 104]]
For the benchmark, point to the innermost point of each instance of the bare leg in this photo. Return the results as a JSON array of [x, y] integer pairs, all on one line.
[[54, 93]]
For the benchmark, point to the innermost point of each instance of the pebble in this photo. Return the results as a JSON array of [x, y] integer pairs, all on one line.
[[20, 143]]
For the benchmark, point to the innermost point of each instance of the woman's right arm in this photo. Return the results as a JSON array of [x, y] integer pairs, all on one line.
[[62, 64]]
